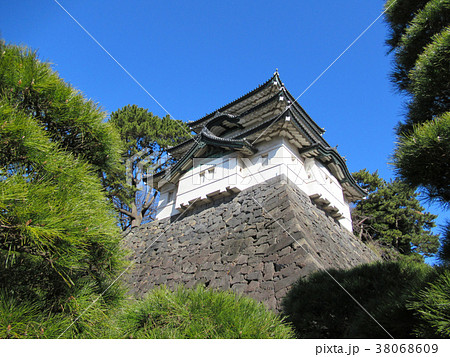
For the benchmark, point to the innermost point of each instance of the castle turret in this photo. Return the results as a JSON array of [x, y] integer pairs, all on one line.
[[263, 134]]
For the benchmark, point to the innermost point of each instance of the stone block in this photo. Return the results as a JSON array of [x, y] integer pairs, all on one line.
[[238, 278], [221, 282], [269, 270], [250, 251], [290, 270], [254, 275], [279, 266], [249, 227], [285, 283], [239, 287], [284, 241], [270, 258], [265, 239], [162, 279], [232, 246], [250, 232], [207, 266], [241, 259], [280, 294], [174, 276], [295, 257], [198, 258], [234, 222], [190, 284], [219, 267], [271, 303], [188, 268], [206, 275], [252, 286], [267, 285], [284, 251], [245, 269], [262, 249]]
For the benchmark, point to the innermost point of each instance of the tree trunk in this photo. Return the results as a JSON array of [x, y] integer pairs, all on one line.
[[136, 217]]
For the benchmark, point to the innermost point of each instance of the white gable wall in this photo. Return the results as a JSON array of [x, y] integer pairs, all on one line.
[[274, 158]]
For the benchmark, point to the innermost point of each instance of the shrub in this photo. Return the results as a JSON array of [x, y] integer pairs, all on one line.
[[199, 313], [319, 308]]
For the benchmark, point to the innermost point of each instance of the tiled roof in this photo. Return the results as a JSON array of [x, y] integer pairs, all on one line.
[[275, 77]]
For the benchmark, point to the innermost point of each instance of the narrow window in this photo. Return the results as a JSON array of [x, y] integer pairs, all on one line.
[[211, 173], [265, 159], [170, 196], [202, 177]]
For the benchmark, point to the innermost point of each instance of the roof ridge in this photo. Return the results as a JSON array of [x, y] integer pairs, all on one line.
[[207, 116]]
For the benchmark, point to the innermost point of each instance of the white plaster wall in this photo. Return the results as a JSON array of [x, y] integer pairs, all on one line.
[[234, 171], [165, 207]]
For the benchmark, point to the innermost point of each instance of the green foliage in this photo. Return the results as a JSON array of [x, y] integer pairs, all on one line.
[[317, 307], [430, 80], [444, 250], [59, 241], [139, 129], [398, 16], [393, 217], [52, 206], [432, 306], [75, 123], [145, 139], [413, 24], [77, 316], [420, 39], [26, 320], [423, 158], [200, 313]]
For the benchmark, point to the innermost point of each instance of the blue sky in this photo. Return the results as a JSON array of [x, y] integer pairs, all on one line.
[[195, 56]]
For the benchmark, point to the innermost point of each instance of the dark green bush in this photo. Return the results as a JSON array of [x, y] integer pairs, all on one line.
[[319, 308]]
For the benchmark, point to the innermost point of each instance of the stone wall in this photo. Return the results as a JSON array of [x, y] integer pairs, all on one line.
[[258, 242]]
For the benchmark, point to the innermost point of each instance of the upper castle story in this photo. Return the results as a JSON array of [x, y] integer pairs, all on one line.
[[263, 134]]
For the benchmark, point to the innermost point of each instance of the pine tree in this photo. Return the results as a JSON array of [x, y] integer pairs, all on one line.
[[423, 159], [392, 216], [420, 40], [77, 124], [59, 241], [418, 37], [145, 138]]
